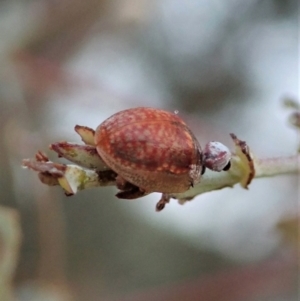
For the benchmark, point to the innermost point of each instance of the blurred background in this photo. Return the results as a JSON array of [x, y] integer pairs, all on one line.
[[225, 66]]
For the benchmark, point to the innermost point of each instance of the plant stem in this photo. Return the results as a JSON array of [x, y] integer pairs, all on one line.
[[269, 167]]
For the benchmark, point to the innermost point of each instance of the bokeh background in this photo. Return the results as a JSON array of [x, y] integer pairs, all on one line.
[[225, 66]]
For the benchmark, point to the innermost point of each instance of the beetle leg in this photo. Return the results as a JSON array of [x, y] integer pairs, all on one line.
[[107, 177], [122, 184], [130, 194], [128, 190], [165, 198]]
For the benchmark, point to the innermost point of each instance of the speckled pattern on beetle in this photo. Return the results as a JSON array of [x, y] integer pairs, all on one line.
[[151, 150]]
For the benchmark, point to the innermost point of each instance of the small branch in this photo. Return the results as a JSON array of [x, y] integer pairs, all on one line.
[[270, 167], [72, 178]]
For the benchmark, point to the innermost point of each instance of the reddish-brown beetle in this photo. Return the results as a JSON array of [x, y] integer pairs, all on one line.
[[153, 150]]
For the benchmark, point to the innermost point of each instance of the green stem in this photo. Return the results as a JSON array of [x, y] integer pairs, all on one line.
[[277, 166]]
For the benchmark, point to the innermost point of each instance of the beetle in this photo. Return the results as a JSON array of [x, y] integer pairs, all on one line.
[[152, 150]]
